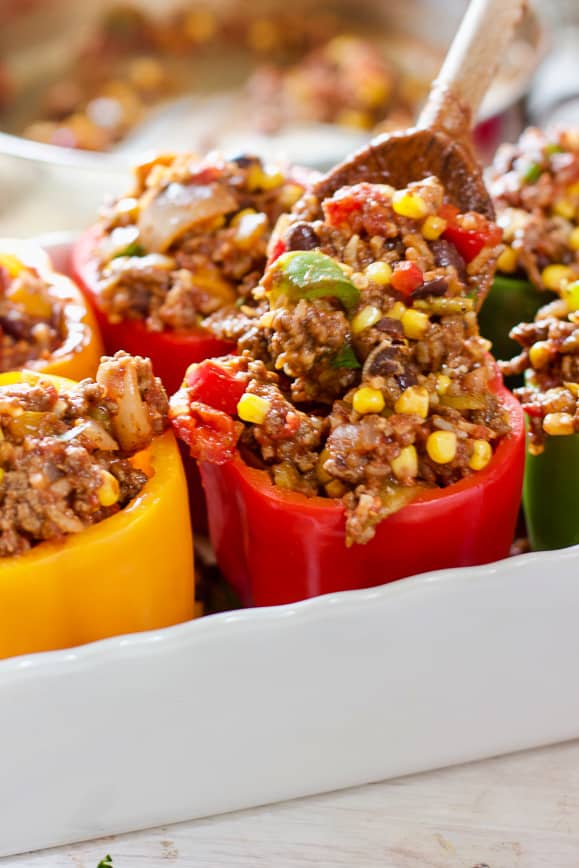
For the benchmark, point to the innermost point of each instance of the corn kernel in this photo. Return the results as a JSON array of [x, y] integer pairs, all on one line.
[[368, 400], [507, 261], [433, 227], [481, 454], [574, 239], [2, 474], [262, 34], [250, 228], [409, 204], [263, 178], [241, 214], [554, 276], [290, 194], [539, 354], [35, 303], [199, 25], [373, 90], [570, 294], [441, 446], [564, 208], [558, 424], [358, 120], [379, 272], [108, 493], [322, 474], [397, 310], [573, 189], [415, 324], [443, 381], [406, 464], [266, 320], [335, 488], [252, 408], [11, 263], [413, 401], [365, 319]]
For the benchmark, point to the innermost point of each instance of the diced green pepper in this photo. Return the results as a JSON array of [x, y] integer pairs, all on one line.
[[306, 274], [132, 249], [346, 358], [532, 173], [551, 494]]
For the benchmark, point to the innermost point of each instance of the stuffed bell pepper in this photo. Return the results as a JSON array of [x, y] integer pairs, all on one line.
[[535, 187], [549, 360], [94, 525], [45, 322], [362, 432], [170, 267]]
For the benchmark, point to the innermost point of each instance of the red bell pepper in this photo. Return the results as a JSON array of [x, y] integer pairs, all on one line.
[[170, 351], [277, 546]]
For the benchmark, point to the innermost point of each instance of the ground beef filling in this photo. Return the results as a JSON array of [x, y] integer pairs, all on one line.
[[65, 457], [535, 187], [189, 243], [32, 319], [365, 379], [550, 362]]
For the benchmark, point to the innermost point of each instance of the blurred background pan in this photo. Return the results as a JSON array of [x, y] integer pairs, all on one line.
[[86, 89]]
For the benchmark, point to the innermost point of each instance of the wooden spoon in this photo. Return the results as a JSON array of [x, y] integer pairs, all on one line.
[[440, 144]]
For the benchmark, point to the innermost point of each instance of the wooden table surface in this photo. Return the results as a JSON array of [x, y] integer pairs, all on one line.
[[519, 811]]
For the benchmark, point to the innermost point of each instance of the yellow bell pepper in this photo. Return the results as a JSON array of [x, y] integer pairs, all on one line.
[[79, 354], [131, 572]]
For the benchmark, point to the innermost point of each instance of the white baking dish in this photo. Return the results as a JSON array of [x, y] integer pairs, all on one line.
[[249, 707], [255, 706]]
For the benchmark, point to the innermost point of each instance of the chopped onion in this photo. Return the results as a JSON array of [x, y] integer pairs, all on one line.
[[131, 425], [177, 208]]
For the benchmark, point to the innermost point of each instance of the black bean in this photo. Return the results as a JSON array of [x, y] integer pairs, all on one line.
[[301, 236], [446, 254], [381, 361], [438, 286], [390, 326], [244, 161], [405, 380]]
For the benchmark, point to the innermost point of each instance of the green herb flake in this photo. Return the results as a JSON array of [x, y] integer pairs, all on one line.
[[532, 173], [107, 862], [307, 274], [132, 249], [553, 149], [346, 358]]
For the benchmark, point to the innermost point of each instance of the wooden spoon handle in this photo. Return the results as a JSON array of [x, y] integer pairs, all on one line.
[[472, 60]]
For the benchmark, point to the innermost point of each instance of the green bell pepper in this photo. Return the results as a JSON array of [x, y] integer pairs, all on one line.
[[510, 302], [308, 274], [551, 494]]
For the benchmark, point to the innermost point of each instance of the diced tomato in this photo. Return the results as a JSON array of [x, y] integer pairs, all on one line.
[[277, 250], [448, 212], [533, 410], [469, 242], [341, 206], [211, 384], [407, 277], [210, 434]]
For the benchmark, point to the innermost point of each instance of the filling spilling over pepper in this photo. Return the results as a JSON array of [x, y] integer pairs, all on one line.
[[550, 363], [535, 188], [65, 453], [32, 317], [365, 378], [188, 243]]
